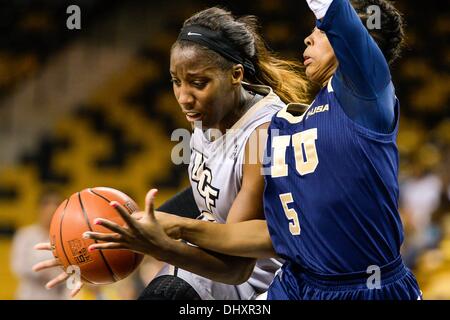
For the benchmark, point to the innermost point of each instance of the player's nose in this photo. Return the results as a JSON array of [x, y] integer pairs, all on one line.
[[308, 41], [185, 99]]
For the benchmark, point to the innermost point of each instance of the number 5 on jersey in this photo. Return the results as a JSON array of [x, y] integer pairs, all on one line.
[[291, 214]]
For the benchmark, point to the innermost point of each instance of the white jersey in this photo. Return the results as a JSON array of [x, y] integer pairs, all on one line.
[[215, 170]]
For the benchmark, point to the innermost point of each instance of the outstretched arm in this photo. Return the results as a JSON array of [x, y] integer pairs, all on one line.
[[361, 61], [362, 81], [246, 239], [147, 236]]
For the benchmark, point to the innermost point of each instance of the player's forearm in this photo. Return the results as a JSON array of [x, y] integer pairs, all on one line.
[[215, 266], [245, 239], [360, 59]]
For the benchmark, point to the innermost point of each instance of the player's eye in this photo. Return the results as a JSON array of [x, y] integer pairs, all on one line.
[[199, 84], [175, 82]]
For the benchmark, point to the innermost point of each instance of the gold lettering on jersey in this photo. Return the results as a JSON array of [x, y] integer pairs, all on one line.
[[279, 166], [291, 214], [305, 153], [202, 175], [308, 139], [317, 109]]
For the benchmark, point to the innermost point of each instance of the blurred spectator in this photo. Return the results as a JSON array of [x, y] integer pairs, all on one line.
[[433, 271], [421, 197], [23, 256]]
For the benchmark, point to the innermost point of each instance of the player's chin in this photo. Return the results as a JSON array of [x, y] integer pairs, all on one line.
[[309, 72], [312, 74]]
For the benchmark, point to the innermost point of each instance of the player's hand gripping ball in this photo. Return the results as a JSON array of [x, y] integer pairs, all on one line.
[[75, 216]]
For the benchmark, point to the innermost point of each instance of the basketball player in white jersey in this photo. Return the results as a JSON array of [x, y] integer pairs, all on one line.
[[213, 62]]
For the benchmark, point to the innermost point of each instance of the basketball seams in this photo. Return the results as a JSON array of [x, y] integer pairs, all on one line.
[[114, 277], [71, 221], [60, 232], [107, 200], [135, 255], [61, 239], [99, 195]]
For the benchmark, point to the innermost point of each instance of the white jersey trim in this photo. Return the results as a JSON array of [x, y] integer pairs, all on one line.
[[300, 107]]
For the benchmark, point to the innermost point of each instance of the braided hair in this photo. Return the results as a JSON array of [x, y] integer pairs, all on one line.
[[391, 36]]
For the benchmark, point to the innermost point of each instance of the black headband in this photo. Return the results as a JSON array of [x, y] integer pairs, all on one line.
[[215, 41]]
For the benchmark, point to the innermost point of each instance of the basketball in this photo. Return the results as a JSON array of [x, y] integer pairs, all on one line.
[[76, 215]]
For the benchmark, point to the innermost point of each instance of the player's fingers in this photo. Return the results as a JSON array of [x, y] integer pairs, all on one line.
[[59, 279], [130, 221], [46, 264], [138, 215], [114, 227], [109, 237], [75, 291], [43, 246], [149, 203], [107, 246]]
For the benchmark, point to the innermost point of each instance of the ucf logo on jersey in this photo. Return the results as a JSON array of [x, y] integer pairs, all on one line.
[[202, 175]]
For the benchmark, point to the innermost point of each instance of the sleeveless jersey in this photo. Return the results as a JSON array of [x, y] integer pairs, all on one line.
[[215, 170], [331, 197]]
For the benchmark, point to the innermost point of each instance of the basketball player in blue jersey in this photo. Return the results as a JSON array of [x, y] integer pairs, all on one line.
[[331, 198]]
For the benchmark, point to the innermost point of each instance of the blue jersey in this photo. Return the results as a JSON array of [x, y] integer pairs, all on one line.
[[331, 197]]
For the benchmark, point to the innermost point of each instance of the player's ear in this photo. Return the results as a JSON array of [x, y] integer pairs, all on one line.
[[237, 74]]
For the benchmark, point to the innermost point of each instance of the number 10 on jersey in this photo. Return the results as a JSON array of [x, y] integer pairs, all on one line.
[[306, 161]]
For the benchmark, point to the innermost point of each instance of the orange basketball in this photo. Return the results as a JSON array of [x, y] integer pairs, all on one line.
[[75, 216]]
